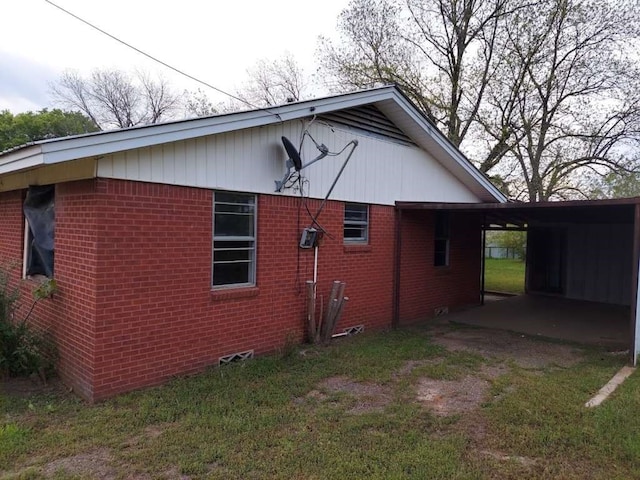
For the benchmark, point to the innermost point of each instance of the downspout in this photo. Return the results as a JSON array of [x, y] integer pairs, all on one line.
[[395, 321]]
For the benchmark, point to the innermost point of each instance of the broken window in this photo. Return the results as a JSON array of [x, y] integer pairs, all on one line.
[[39, 214]]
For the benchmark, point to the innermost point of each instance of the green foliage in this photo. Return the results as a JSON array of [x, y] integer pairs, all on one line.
[[45, 124], [504, 275], [620, 185], [23, 350], [517, 241], [277, 418]]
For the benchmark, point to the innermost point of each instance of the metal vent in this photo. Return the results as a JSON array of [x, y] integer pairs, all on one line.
[[354, 330], [347, 332], [235, 357], [370, 120]]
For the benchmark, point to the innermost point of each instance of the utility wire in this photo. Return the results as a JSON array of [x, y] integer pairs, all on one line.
[[158, 60]]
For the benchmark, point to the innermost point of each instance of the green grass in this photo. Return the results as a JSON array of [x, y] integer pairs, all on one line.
[[257, 420], [504, 275]]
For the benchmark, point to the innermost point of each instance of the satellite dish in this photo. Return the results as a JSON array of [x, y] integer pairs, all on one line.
[[293, 153]]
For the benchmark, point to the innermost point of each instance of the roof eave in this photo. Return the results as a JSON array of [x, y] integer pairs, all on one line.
[[20, 159], [104, 143]]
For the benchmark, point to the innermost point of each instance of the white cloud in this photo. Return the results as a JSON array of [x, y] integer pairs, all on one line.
[[212, 40], [24, 83]]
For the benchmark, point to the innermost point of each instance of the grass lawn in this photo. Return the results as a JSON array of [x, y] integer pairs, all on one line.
[[504, 275], [376, 406]]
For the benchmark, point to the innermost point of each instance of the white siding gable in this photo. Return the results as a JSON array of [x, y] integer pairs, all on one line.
[[380, 171]]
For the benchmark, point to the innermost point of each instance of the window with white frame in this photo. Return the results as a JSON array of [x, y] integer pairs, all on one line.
[[234, 240], [356, 223], [441, 244]]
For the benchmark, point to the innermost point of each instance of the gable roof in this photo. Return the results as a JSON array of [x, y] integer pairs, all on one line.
[[389, 100]]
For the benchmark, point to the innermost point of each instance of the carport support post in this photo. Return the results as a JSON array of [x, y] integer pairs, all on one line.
[[395, 321], [482, 259], [635, 301]]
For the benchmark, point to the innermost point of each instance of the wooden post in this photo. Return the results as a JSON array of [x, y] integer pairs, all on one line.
[[331, 306], [311, 311]]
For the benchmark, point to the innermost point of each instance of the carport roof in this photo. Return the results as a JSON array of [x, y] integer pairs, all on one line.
[[618, 210]]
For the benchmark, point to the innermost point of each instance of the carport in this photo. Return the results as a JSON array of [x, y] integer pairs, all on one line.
[[581, 275]]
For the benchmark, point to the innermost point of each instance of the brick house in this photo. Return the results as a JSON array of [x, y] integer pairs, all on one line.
[[173, 249]]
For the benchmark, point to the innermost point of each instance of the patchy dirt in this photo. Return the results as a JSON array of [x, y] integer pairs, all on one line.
[[28, 387], [95, 464], [451, 397], [523, 351], [369, 397]]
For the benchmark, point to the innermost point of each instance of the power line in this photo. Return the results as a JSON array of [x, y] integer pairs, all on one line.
[[157, 59]]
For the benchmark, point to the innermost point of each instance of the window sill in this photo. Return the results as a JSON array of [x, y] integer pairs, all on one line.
[[233, 293], [442, 269], [357, 248]]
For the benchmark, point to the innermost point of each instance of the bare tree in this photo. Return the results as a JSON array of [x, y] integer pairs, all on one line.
[[565, 102], [536, 92], [198, 104], [115, 99], [274, 82], [440, 52]]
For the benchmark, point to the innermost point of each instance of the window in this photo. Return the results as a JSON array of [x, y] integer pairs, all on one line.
[[40, 224], [441, 244], [234, 241], [356, 223]]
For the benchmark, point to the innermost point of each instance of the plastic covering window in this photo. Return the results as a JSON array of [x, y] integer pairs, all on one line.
[[356, 223], [234, 240], [441, 243], [39, 213]]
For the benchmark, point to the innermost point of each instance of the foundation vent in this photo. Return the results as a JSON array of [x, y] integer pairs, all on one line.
[[354, 330], [438, 312], [235, 357]]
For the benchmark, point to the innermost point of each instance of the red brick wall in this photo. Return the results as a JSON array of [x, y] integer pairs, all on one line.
[[424, 287], [156, 313], [69, 315], [133, 265], [11, 226]]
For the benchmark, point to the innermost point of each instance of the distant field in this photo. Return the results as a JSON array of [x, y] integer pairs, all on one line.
[[504, 275]]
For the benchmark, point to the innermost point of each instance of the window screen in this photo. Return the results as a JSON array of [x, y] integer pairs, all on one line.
[[234, 242], [356, 222]]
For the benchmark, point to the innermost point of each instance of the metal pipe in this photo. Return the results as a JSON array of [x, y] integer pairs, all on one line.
[[354, 144]]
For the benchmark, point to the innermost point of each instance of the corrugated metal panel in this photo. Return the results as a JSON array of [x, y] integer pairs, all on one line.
[[380, 171], [599, 261]]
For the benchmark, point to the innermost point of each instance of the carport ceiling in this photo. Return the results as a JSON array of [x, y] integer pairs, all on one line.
[[618, 211]]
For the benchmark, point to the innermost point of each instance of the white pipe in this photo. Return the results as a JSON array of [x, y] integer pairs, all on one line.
[[315, 264]]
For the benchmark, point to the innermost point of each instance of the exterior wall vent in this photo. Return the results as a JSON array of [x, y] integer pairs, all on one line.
[[349, 331], [438, 312], [235, 357], [354, 330], [370, 120]]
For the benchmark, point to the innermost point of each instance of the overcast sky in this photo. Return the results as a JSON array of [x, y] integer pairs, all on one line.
[[215, 41]]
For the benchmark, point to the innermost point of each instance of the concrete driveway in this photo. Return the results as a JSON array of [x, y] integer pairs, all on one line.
[[583, 322]]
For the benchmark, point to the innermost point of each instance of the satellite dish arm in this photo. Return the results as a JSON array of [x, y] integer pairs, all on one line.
[[354, 144]]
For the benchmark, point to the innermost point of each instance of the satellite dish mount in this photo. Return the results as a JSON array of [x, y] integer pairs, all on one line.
[[295, 161]]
